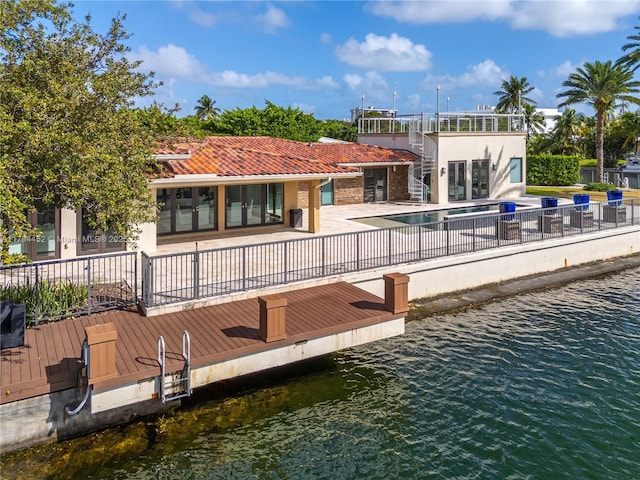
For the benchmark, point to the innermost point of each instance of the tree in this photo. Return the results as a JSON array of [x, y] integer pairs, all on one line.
[[206, 108], [533, 119], [273, 121], [569, 133], [69, 135], [340, 130], [514, 95], [600, 84], [631, 58]]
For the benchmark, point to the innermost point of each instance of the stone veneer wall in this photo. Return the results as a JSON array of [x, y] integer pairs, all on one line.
[[347, 191]]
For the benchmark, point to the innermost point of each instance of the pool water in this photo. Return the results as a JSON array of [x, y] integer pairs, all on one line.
[[432, 216]]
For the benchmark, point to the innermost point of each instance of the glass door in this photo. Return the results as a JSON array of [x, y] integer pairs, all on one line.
[[234, 210], [375, 185], [457, 181], [480, 179], [206, 208], [253, 205]]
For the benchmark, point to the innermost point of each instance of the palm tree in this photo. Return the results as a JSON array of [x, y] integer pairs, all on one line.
[[206, 109], [600, 84], [632, 57], [629, 124], [569, 132], [533, 119], [514, 95]]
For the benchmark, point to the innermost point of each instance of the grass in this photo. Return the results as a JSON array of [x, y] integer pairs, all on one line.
[[567, 192]]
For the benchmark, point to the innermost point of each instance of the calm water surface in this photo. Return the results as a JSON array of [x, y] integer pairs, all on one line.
[[539, 386]]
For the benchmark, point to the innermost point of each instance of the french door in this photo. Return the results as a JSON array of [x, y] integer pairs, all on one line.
[[457, 181]]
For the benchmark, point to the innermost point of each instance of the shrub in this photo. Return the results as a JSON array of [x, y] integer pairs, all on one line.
[[598, 187], [553, 170], [53, 298]]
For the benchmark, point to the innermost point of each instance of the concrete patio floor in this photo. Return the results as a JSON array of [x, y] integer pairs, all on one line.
[[333, 219]]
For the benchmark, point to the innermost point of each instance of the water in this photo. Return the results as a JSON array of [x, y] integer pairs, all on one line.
[[539, 386], [432, 216]]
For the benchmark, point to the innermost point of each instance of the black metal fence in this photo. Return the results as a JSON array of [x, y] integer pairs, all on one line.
[[173, 278], [59, 289]]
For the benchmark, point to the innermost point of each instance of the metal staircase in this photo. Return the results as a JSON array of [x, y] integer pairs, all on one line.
[[426, 148], [177, 384]]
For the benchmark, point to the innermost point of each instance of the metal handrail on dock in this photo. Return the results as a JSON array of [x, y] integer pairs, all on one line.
[[172, 388]]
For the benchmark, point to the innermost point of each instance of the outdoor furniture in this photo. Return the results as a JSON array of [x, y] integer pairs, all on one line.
[[581, 218], [614, 214], [508, 229], [550, 223], [12, 324]]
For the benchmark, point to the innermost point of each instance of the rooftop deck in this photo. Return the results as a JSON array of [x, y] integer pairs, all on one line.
[[50, 358], [453, 122]]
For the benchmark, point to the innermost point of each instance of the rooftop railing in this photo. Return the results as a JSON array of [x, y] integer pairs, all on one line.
[[459, 122]]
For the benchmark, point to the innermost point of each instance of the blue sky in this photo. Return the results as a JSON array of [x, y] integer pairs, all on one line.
[[323, 56]]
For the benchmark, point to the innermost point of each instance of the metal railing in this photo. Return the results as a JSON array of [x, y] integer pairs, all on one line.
[[57, 289], [460, 122], [179, 277]]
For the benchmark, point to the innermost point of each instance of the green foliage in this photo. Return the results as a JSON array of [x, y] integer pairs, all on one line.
[[70, 138], [339, 130], [13, 258], [163, 123], [598, 187], [548, 169], [53, 298], [272, 121]]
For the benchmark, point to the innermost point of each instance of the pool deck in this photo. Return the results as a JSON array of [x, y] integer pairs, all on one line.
[[333, 219]]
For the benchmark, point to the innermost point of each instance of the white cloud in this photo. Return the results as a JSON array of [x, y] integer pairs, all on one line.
[[394, 53], [325, 37], [273, 19], [370, 82], [561, 18], [565, 69], [486, 73], [172, 62], [442, 11], [196, 14]]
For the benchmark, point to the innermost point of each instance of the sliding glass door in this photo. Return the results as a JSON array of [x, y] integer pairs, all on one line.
[[186, 209]]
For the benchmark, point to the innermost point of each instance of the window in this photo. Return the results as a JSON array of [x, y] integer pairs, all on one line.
[[44, 244], [515, 170], [93, 241]]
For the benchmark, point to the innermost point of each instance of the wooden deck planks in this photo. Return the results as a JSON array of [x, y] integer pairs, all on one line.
[[52, 351]]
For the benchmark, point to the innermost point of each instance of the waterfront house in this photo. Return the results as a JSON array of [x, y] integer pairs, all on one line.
[[222, 184], [227, 184]]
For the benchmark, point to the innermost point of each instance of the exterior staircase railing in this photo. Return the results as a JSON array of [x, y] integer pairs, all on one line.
[[426, 148]]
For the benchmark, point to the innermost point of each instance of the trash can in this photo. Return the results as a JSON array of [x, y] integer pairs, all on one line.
[[549, 204], [295, 217], [581, 200], [509, 208], [614, 197]]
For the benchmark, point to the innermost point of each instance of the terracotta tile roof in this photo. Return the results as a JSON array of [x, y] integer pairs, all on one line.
[[240, 156]]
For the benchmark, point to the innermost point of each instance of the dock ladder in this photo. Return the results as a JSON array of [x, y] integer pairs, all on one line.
[[176, 384]]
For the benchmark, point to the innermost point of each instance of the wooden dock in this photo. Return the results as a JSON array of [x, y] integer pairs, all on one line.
[[51, 356]]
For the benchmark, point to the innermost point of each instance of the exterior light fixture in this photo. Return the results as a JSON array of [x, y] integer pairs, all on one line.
[[443, 170], [494, 167]]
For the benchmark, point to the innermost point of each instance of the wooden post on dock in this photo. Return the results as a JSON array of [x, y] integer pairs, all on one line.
[[102, 352], [396, 292], [272, 317]]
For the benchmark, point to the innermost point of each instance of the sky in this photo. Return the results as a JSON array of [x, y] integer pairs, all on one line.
[[322, 57]]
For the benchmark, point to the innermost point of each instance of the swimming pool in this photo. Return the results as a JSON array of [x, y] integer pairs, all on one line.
[[421, 218]]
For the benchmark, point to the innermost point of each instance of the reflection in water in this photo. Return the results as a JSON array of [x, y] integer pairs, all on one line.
[[543, 385]]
